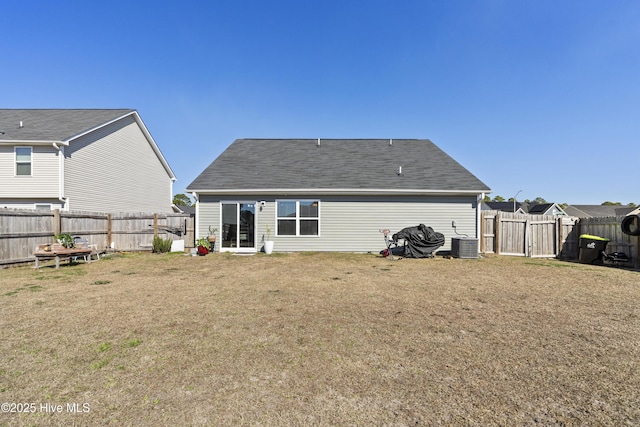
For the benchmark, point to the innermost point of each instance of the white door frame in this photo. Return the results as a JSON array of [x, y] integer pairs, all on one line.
[[238, 231]]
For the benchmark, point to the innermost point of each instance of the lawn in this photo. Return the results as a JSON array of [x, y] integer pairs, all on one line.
[[319, 339]]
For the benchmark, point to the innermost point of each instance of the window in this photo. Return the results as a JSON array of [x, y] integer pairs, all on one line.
[[298, 217], [23, 160]]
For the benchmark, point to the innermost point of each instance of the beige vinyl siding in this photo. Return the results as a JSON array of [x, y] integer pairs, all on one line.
[[352, 224], [115, 169], [44, 179], [208, 214]]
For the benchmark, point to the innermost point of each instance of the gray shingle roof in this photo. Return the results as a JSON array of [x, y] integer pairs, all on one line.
[[505, 206], [336, 164], [52, 124], [597, 211], [539, 208]]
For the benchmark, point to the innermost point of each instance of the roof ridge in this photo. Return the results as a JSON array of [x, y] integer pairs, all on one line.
[[334, 139]]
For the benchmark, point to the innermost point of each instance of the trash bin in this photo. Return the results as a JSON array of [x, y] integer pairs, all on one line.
[[591, 248]]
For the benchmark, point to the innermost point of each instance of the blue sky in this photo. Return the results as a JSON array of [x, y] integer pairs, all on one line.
[[540, 96]]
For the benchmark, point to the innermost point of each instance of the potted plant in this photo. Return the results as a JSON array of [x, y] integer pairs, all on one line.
[[212, 235], [203, 246], [65, 239], [268, 243]]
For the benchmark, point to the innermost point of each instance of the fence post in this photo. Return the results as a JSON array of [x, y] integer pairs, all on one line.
[[528, 244], [155, 225], [481, 232], [57, 224], [496, 228], [109, 241], [559, 233]]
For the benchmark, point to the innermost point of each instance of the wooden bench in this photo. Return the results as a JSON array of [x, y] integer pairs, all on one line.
[[59, 252]]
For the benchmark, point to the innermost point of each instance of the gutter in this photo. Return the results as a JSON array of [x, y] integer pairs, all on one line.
[[31, 142], [197, 222], [337, 191]]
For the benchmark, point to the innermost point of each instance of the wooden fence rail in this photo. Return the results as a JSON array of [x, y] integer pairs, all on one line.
[[502, 233], [514, 234], [22, 230]]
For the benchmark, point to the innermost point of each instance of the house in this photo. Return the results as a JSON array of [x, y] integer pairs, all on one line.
[[333, 194], [189, 210], [88, 160], [517, 207], [546, 209], [597, 211]]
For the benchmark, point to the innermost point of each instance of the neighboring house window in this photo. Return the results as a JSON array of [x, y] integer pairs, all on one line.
[[298, 217], [23, 160]]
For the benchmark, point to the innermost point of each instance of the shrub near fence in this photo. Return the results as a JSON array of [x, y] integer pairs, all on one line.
[[22, 230]]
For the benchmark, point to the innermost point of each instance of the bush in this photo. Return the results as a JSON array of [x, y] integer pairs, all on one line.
[[161, 245]]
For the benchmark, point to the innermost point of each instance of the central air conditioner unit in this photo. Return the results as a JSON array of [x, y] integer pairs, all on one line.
[[464, 247]]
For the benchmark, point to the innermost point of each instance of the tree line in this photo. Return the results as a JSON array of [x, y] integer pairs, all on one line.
[[540, 200]]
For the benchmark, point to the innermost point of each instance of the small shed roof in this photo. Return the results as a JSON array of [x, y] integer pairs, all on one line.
[[336, 165]]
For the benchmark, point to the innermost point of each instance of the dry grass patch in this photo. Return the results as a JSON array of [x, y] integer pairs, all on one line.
[[321, 339]]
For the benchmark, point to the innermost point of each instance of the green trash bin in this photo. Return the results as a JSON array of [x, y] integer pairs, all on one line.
[[591, 248]]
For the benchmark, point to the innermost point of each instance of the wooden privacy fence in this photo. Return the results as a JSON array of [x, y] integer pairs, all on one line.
[[610, 228], [506, 233], [514, 234], [22, 230]]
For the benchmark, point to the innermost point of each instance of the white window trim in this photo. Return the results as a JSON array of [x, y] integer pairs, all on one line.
[[43, 205], [298, 218], [15, 160]]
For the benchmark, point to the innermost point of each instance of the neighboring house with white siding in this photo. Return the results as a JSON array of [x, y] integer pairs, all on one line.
[[333, 194], [84, 159]]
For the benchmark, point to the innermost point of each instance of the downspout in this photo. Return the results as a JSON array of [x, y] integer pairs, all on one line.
[[479, 217], [197, 222], [171, 181], [60, 154]]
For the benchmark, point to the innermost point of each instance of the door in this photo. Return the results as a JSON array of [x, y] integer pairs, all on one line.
[[238, 227]]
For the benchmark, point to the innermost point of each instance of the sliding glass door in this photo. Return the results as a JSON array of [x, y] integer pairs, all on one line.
[[238, 226]]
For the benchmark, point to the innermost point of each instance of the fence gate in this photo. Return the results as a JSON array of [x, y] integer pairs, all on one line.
[[568, 237], [542, 237], [506, 233], [514, 234]]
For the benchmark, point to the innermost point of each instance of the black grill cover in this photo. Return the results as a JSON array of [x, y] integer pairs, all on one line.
[[419, 241]]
